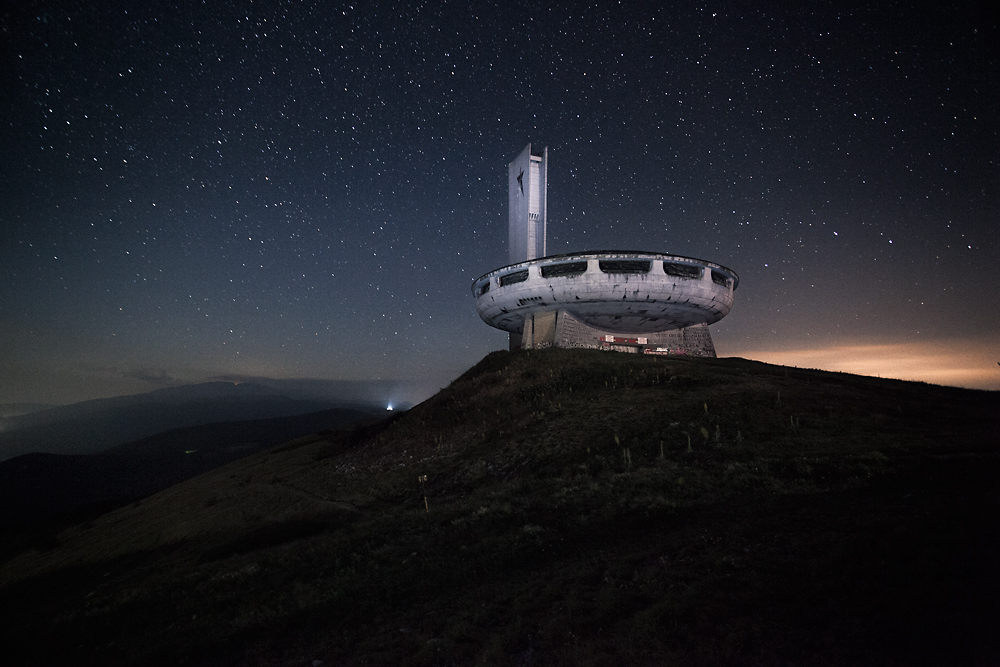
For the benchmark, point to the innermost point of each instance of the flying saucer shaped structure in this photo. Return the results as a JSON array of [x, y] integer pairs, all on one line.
[[621, 292], [632, 301]]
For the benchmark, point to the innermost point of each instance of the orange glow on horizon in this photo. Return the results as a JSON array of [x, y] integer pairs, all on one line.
[[956, 363]]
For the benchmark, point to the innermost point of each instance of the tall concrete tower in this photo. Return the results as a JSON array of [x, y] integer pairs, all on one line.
[[528, 185]]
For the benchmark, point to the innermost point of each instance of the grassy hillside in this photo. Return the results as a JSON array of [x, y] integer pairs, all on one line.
[[560, 508]]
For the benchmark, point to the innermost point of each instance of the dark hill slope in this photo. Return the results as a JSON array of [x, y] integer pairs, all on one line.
[[581, 508]]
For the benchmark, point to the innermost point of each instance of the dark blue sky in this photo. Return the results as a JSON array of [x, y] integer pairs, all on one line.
[[195, 191]]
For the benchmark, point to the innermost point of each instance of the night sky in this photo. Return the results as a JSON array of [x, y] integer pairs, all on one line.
[[191, 191]]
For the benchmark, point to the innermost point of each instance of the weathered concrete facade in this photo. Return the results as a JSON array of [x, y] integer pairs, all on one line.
[[613, 299], [527, 183], [613, 291]]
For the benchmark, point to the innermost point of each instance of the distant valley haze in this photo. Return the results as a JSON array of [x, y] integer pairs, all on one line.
[[93, 426]]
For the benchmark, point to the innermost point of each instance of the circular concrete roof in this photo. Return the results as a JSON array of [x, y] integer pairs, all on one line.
[[620, 291]]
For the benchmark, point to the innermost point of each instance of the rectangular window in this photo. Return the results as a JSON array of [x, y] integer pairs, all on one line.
[[564, 269], [484, 288], [720, 279], [624, 266], [515, 277], [682, 270]]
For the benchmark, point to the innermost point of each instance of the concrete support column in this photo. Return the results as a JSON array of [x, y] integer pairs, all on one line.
[[528, 334], [544, 329], [539, 331]]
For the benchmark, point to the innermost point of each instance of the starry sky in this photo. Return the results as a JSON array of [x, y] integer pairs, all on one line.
[[225, 190]]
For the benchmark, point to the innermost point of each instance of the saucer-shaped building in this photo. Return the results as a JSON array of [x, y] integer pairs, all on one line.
[[631, 301]]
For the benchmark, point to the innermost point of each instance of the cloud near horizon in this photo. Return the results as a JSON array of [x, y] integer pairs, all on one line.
[[954, 363], [159, 377]]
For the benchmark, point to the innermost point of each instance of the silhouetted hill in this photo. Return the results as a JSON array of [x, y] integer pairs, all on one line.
[[94, 426], [559, 508], [17, 409], [178, 394], [38, 486]]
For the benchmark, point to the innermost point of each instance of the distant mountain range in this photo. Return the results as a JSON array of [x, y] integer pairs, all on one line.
[[39, 486], [98, 425], [15, 409]]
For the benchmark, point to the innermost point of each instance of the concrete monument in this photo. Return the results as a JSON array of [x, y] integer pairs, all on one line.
[[631, 301]]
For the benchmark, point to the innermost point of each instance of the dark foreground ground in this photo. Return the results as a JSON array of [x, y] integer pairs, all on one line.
[[582, 508]]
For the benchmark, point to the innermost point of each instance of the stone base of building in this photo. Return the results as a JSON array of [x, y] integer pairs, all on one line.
[[562, 329]]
